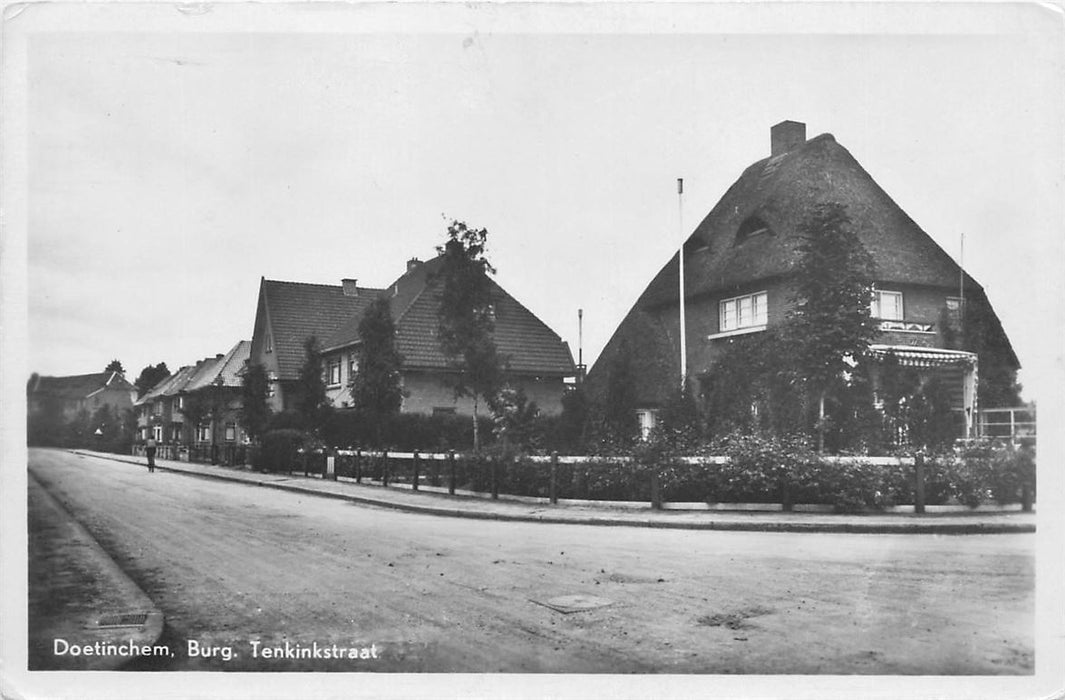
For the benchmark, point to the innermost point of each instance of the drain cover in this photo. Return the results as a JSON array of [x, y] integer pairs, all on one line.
[[126, 620], [567, 604]]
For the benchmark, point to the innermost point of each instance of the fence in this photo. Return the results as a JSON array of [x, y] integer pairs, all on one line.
[[574, 478], [1017, 425], [229, 455], [830, 482]]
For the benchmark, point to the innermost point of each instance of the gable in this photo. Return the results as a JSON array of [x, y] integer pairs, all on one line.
[[296, 310]]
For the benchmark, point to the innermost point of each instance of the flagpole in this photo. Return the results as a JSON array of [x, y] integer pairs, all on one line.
[[680, 259]]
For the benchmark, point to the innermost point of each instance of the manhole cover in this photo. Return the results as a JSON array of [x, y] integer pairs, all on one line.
[[126, 620], [567, 604]]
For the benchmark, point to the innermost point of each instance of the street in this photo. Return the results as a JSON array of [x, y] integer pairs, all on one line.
[[246, 569]]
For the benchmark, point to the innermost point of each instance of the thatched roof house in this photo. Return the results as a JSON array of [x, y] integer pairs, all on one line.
[[738, 260]]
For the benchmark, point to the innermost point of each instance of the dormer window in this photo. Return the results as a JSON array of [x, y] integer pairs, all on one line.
[[752, 226]]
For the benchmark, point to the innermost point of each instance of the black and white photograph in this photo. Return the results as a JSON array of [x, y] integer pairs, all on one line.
[[534, 350]]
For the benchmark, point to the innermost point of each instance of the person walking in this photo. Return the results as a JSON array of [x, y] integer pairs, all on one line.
[[149, 450]]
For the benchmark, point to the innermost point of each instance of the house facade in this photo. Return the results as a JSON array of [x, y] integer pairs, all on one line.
[[738, 271], [68, 396], [537, 360], [199, 404]]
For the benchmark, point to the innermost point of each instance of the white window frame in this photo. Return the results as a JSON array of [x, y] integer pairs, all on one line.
[[647, 420], [203, 433], [745, 311], [353, 366], [333, 368], [877, 308], [231, 432]]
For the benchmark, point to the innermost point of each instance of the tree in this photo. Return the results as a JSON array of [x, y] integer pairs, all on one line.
[[149, 377], [255, 411], [312, 403], [466, 320], [114, 366], [829, 328], [573, 423], [514, 417], [375, 388]]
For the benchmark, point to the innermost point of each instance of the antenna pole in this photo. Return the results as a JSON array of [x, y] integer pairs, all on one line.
[[680, 262], [580, 344]]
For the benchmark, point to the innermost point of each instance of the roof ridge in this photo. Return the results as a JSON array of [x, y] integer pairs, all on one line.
[[326, 286]]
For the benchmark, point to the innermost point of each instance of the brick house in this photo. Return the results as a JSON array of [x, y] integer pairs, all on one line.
[[215, 385], [71, 394], [538, 361], [737, 264]]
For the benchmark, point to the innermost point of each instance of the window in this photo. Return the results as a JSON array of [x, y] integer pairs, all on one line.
[[748, 311], [203, 433], [751, 226], [157, 433], [231, 432], [268, 343], [353, 366], [647, 419], [157, 408], [175, 432], [334, 371], [179, 403], [887, 305]]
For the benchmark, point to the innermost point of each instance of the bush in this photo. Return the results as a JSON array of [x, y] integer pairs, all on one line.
[[404, 432], [279, 450], [979, 472]]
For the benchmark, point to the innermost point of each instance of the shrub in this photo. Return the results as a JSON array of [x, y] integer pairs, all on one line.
[[279, 450]]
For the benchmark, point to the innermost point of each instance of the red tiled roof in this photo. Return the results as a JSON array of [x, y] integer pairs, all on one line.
[[298, 310], [526, 343], [223, 370], [77, 386]]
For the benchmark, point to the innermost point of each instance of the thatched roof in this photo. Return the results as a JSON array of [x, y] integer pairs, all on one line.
[[751, 235], [780, 191]]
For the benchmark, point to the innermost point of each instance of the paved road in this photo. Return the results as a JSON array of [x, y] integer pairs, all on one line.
[[231, 564]]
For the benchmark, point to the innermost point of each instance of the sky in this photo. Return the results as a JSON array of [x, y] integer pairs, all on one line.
[[174, 162]]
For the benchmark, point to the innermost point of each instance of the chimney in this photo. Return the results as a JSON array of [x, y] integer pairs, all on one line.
[[413, 263], [350, 290], [786, 136]]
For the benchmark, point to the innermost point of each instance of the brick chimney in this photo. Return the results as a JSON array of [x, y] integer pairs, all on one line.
[[413, 263], [350, 290], [786, 136]]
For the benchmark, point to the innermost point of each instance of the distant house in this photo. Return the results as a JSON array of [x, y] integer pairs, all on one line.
[[737, 268], [199, 404], [538, 360], [67, 396]]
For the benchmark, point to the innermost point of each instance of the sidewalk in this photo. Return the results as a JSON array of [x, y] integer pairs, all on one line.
[[85, 613], [485, 509]]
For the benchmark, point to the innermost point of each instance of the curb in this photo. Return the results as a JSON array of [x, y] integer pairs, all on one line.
[[136, 600], [926, 528]]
